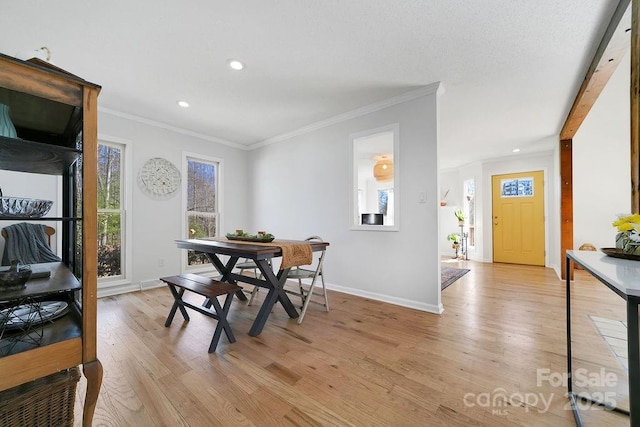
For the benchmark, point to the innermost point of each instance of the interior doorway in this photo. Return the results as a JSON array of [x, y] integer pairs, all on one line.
[[518, 218]]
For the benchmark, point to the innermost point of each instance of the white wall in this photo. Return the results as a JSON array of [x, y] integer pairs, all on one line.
[[451, 186], [449, 182], [601, 164], [157, 222], [302, 186]]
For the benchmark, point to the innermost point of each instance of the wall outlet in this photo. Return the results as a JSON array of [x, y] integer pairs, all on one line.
[[160, 262]]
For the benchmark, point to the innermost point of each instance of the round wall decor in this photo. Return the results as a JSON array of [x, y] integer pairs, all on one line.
[[159, 176]]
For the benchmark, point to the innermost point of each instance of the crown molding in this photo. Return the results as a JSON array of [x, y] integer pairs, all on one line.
[[433, 88], [506, 158], [175, 129]]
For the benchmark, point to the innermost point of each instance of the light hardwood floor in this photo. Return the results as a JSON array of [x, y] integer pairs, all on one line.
[[365, 363]]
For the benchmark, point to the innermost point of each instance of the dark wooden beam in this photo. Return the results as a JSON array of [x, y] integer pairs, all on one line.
[[635, 107], [566, 200]]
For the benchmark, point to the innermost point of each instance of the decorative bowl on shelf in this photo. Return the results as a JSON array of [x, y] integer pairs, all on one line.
[[19, 207], [32, 314], [14, 278]]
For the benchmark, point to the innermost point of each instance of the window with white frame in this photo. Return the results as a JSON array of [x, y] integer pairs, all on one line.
[[202, 212], [469, 203], [111, 211]]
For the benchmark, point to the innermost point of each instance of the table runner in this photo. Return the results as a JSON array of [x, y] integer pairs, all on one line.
[[293, 253]]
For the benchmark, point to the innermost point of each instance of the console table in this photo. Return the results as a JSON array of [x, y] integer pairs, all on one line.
[[622, 277]]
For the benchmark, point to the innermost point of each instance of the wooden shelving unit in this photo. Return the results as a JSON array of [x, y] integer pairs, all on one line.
[[55, 115]]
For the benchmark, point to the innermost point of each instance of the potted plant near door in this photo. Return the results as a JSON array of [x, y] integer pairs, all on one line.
[[454, 238], [460, 215]]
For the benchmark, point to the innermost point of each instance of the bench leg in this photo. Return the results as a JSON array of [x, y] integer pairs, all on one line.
[[223, 324], [177, 304]]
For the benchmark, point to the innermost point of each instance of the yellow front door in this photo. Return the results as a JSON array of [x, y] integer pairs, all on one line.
[[518, 218]]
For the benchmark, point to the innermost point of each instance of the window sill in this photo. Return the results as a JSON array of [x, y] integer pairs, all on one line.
[[375, 228]]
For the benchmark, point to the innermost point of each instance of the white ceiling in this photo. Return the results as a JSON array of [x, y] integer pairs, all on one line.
[[510, 68]]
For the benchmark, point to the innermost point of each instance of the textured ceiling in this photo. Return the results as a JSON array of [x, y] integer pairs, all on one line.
[[510, 68]]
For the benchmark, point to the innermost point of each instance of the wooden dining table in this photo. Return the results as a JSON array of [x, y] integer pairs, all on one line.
[[262, 254]]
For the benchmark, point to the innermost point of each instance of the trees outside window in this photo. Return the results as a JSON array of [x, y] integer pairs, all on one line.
[[202, 205], [110, 210]]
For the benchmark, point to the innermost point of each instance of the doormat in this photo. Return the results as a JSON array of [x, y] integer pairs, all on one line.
[[451, 274]]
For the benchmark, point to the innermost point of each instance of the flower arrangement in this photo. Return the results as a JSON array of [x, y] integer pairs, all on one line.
[[628, 237], [460, 215]]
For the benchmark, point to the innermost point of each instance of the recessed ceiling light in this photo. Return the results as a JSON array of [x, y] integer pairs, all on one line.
[[234, 64], [516, 150], [183, 104]]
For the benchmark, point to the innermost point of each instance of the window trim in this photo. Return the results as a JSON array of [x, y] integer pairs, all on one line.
[[126, 203], [186, 156], [354, 225]]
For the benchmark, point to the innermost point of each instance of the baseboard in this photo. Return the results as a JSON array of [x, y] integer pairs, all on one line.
[[430, 308], [151, 284], [109, 291], [117, 289]]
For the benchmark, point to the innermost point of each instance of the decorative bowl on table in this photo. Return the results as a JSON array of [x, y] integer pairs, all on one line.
[[15, 277], [246, 237], [19, 207]]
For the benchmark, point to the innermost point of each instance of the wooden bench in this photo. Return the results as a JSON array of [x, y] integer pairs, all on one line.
[[209, 288]]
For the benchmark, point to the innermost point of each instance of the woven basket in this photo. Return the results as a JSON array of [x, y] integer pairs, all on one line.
[[47, 401]]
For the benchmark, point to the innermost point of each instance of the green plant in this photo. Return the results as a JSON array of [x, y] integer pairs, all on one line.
[[454, 238], [460, 215]]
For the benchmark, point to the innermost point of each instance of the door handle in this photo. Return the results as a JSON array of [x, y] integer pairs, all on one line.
[[495, 220]]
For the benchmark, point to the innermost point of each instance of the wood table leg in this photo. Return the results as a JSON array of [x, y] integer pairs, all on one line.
[[276, 293], [277, 284], [93, 373]]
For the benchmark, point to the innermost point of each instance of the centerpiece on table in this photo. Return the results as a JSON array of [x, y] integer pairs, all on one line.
[[261, 236], [628, 237]]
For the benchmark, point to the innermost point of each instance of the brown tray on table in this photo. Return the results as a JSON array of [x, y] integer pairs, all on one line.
[[251, 238], [618, 253]]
